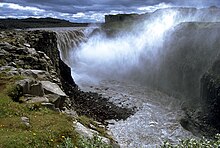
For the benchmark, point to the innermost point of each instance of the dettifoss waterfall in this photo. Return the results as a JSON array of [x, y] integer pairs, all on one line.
[[154, 67]]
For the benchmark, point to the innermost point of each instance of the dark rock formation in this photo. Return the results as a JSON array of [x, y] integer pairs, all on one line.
[[210, 94], [187, 54], [121, 17]]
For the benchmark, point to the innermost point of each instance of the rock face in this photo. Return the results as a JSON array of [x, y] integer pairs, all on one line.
[[210, 93], [121, 17], [187, 54], [34, 54]]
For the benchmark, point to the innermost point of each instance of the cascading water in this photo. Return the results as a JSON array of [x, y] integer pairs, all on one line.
[[103, 58], [159, 52], [126, 54], [69, 38]]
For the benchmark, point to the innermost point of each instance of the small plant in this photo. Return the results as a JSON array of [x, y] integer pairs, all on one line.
[[194, 143], [67, 143], [95, 142]]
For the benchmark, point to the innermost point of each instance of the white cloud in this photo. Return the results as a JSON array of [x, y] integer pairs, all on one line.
[[153, 8], [19, 7], [78, 15]]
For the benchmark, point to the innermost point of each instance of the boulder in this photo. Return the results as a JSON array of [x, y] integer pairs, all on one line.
[[52, 88], [30, 86], [54, 93], [89, 133]]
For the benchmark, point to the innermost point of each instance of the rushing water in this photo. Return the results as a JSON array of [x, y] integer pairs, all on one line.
[[121, 68], [157, 118]]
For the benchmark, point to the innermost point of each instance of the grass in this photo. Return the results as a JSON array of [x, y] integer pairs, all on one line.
[[47, 128]]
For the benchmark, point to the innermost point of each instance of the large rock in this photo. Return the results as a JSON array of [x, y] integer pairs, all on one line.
[[54, 93], [31, 87], [52, 88], [88, 133], [42, 91]]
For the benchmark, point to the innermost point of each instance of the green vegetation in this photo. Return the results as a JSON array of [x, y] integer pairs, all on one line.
[[194, 143], [95, 142], [46, 128]]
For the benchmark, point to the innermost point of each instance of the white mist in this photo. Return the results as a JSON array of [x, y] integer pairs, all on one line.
[[112, 58]]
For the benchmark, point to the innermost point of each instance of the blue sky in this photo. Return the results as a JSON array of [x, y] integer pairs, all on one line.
[[89, 10]]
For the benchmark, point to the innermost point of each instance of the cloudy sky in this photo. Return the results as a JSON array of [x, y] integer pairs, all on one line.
[[89, 10]]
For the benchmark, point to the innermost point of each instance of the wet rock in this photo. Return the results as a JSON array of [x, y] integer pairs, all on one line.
[[27, 45], [13, 64], [31, 51], [98, 107], [210, 94], [7, 68]]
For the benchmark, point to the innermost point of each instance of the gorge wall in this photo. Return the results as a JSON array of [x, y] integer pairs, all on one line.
[[187, 54]]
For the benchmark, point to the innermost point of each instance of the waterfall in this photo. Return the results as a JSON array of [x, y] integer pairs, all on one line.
[[159, 51], [69, 39]]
